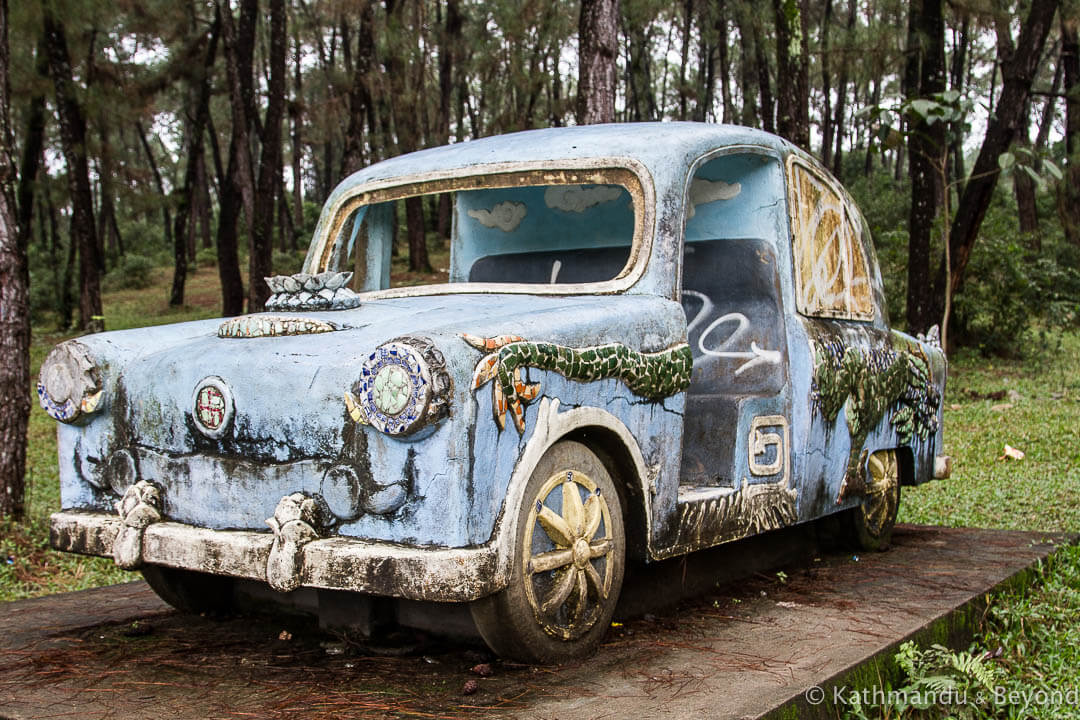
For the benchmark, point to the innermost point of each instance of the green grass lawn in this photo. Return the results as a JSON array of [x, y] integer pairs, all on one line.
[[1032, 405]]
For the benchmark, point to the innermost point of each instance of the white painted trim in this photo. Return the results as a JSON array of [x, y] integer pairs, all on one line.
[[337, 563]]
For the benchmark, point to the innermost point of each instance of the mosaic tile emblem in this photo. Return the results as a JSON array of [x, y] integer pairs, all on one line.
[[253, 326], [212, 406], [653, 376]]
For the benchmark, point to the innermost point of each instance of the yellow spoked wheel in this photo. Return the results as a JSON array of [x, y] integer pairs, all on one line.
[[569, 561], [874, 519]]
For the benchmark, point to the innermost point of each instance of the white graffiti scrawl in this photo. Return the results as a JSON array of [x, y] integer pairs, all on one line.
[[754, 356], [830, 266]]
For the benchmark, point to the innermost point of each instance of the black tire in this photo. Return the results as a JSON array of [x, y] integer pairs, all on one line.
[[873, 521], [190, 591], [563, 609]]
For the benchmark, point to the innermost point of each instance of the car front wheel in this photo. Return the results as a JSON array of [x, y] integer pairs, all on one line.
[[567, 564]]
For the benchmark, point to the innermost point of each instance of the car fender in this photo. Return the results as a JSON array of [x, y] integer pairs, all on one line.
[[552, 426]]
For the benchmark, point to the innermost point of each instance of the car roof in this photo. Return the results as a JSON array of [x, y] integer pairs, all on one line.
[[656, 145]]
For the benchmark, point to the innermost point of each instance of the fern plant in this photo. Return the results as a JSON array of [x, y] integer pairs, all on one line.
[[939, 683]]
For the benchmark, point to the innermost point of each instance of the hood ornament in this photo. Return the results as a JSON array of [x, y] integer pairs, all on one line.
[[325, 291]]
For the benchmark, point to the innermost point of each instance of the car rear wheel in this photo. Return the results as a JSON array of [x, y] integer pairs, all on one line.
[[873, 521], [567, 563], [190, 591]]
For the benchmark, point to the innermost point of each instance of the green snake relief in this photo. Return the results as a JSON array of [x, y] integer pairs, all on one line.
[[653, 376]]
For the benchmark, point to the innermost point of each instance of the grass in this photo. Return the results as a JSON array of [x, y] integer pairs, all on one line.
[[28, 567], [1031, 404], [1029, 637]]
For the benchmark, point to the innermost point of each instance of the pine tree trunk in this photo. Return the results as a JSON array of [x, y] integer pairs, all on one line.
[[166, 214], [183, 236], [956, 82], [73, 142], [359, 100], [792, 72], [297, 116], [840, 118], [748, 114], [1018, 73], [14, 315], [827, 126], [260, 260], [761, 58], [724, 58], [1023, 184], [1069, 197], [927, 153], [641, 102], [238, 188], [32, 149], [598, 49], [451, 39]]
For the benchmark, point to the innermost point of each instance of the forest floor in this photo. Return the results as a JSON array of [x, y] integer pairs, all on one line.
[[1030, 404]]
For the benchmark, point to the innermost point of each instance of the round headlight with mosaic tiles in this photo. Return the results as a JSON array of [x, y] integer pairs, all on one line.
[[403, 387], [69, 385]]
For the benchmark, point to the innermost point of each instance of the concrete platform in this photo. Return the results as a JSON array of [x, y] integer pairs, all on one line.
[[747, 649]]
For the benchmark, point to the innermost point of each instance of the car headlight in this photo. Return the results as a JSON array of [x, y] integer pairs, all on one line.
[[403, 387], [69, 385]]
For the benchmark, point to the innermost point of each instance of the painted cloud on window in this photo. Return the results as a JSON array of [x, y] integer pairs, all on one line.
[[703, 192], [577, 198], [506, 216]]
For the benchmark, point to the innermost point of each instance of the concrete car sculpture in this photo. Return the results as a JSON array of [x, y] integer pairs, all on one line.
[[652, 339]]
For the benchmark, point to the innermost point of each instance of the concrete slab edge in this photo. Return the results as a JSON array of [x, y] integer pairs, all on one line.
[[955, 630]]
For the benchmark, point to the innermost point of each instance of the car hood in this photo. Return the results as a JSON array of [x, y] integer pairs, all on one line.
[[288, 390]]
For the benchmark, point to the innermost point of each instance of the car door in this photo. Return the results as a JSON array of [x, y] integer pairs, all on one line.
[[736, 473], [837, 292]]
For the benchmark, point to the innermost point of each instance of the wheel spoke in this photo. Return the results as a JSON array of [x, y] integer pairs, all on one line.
[[572, 510], [555, 527], [593, 516], [599, 549], [551, 560], [876, 467], [582, 596], [561, 592], [595, 581]]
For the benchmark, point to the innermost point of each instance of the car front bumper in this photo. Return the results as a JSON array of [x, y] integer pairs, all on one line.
[[336, 563]]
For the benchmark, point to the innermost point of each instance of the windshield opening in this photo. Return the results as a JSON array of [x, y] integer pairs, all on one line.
[[536, 228]]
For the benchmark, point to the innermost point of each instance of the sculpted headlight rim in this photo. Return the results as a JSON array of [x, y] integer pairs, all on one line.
[[403, 387], [69, 384]]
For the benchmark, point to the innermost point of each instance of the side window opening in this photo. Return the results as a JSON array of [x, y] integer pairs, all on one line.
[[831, 271]]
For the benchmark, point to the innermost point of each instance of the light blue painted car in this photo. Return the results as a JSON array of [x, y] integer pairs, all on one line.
[[652, 339]]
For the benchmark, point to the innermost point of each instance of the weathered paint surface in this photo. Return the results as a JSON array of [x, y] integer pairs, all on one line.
[[674, 333]]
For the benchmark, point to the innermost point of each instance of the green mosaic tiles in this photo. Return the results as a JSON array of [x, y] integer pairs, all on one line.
[[871, 383], [653, 376]]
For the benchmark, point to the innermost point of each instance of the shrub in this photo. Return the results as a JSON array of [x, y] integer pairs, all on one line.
[[287, 263], [206, 257], [1010, 289], [132, 272]]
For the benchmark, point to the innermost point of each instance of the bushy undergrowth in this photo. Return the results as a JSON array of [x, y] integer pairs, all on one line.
[[1012, 291], [131, 272]]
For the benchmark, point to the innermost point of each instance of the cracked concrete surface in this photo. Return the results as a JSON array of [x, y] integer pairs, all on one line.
[[743, 650]]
